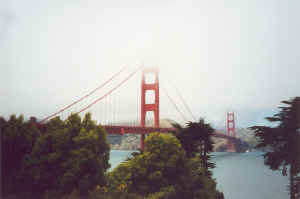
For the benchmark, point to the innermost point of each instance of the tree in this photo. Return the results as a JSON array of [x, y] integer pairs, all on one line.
[[162, 171], [283, 142], [70, 155], [196, 140], [17, 140]]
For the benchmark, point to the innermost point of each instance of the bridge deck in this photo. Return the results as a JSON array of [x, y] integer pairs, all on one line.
[[146, 130]]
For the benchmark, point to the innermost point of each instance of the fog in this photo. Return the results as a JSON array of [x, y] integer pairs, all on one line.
[[225, 55]]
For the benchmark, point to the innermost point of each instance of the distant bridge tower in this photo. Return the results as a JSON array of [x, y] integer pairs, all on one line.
[[230, 132], [149, 107]]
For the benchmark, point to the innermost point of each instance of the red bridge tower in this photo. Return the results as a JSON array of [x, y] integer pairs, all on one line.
[[230, 132], [149, 107]]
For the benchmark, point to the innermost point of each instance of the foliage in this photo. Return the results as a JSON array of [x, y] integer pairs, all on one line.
[[196, 140], [68, 158], [161, 171], [17, 140], [283, 140], [71, 155], [105, 193]]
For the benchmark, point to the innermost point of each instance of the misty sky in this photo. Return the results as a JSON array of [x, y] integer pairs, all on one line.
[[222, 55]]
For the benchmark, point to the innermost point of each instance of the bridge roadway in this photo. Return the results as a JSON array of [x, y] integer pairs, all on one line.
[[146, 130]]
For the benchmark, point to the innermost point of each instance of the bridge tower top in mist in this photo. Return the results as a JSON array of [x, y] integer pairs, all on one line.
[[230, 132], [154, 107], [230, 124], [146, 86]]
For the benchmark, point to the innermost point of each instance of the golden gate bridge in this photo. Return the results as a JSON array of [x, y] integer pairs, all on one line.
[[154, 107]]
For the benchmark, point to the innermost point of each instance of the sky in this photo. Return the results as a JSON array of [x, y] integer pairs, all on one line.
[[221, 55]]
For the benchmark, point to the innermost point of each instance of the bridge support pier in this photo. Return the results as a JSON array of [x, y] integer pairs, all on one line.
[[230, 132], [231, 146], [149, 107], [142, 142]]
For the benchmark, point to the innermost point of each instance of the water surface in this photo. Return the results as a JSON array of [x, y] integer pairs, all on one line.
[[239, 175]]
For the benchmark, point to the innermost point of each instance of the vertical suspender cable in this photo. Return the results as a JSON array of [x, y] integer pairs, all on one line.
[[184, 103], [112, 90], [175, 106], [90, 93]]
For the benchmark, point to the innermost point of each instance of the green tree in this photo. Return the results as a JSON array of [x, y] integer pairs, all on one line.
[[70, 155], [163, 171], [196, 140], [17, 140], [283, 142]]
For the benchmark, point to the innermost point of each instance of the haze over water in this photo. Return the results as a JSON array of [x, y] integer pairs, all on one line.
[[239, 175], [225, 55]]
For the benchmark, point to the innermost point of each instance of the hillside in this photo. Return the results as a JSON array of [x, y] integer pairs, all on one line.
[[247, 140], [132, 142]]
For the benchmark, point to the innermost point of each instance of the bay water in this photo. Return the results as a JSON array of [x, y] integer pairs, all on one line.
[[238, 175]]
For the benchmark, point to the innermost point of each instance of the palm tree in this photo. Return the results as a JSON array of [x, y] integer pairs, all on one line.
[[196, 141]]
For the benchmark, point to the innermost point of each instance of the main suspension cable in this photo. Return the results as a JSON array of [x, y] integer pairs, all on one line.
[[175, 106], [184, 103], [109, 92], [87, 95]]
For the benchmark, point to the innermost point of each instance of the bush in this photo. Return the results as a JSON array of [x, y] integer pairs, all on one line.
[[17, 140], [68, 157], [162, 171], [72, 155]]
